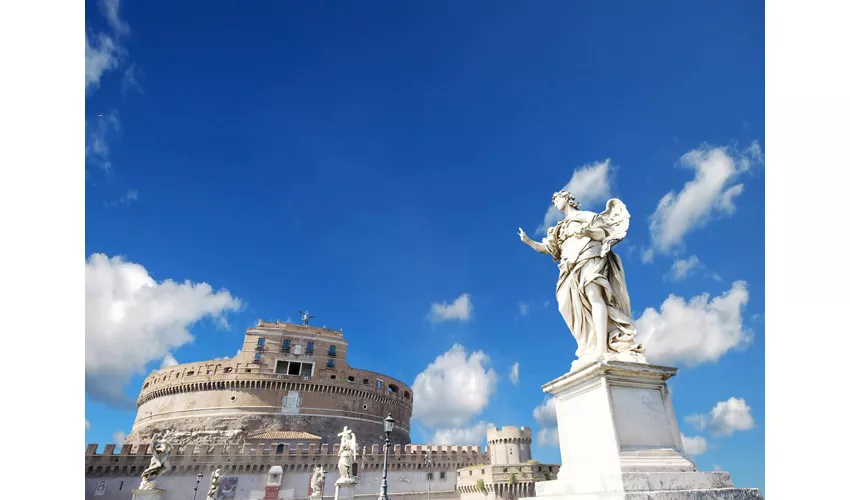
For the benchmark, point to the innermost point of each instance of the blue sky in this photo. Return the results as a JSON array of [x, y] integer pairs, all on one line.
[[369, 160]]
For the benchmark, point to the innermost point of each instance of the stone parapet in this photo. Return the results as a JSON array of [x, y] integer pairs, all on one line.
[[258, 457]]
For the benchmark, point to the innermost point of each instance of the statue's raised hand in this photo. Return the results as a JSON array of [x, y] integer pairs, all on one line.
[[523, 236]]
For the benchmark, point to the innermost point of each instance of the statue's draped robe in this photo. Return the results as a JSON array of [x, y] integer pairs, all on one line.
[[581, 262]]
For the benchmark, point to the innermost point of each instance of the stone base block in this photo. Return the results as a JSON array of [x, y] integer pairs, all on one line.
[[344, 490], [655, 486], [151, 494]]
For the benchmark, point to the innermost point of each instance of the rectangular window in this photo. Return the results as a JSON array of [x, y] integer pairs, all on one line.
[[261, 341], [297, 349], [380, 383], [306, 369], [258, 356], [280, 367], [285, 346], [442, 474], [309, 348], [294, 368], [332, 351], [330, 363], [429, 476]]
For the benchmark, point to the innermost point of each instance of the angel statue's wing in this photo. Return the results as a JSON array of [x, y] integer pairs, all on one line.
[[616, 218]]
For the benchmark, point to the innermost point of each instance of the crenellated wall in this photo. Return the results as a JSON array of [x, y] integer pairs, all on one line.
[[509, 445], [258, 457], [120, 470]]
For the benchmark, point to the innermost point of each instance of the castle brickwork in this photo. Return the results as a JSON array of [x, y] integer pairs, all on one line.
[[286, 377]]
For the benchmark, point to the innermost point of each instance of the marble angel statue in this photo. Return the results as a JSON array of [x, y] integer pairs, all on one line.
[[161, 452], [215, 483], [347, 455], [316, 481], [591, 291]]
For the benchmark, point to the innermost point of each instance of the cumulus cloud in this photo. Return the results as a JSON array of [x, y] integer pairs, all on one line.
[[132, 320], [726, 418], [118, 437], [711, 193], [453, 388], [545, 413], [697, 421], [681, 268], [514, 374], [548, 436], [698, 331], [467, 435], [590, 184], [694, 445], [460, 310], [169, 360], [547, 419], [730, 416]]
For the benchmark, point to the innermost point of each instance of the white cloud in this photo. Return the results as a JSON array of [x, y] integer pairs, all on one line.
[[589, 184], [468, 435], [710, 193], [88, 425], [168, 360], [681, 268], [546, 417], [514, 374], [101, 56], [548, 436], [118, 437], [524, 308], [110, 11], [694, 445], [130, 80], [460, 309], [97, 144], [730, 416], [545, 413], [646, 255], [697, 421], [698, 331], [132, 195], [132, 320], [453, 388]]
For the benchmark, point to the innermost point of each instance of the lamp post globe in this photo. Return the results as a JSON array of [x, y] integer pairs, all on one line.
[[389, 422]]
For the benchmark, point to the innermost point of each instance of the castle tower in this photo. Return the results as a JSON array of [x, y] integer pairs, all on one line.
[[509, 445]]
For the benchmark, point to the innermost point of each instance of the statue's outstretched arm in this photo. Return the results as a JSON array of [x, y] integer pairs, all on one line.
[[537, 246]]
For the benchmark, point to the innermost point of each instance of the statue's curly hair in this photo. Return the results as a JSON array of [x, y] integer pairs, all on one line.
[[571, 200]]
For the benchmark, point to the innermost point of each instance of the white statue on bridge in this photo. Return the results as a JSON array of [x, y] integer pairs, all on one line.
[[591, 290], [316, 481], [347, 456], [161, 452]]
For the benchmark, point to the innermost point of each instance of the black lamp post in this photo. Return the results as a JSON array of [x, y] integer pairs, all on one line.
[[429, 462], [200, 475], [388, 428]]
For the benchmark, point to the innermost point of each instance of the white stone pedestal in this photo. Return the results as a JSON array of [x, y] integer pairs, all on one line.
[[619, 439], [152, 494], [345, 489]]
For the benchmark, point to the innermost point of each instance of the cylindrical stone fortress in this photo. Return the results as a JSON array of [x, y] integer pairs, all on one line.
[[287, 377]]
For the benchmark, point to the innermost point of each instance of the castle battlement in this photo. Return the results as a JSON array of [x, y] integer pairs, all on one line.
[[508, 434], [258, 457], [265, 449]]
